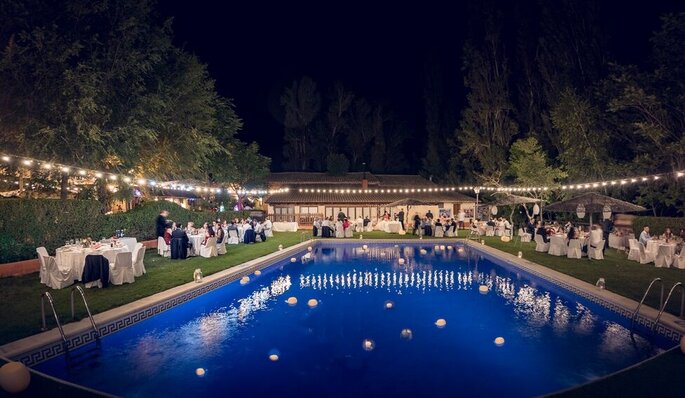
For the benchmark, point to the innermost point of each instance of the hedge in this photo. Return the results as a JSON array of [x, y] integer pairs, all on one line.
[[657, 225], [29, 223]]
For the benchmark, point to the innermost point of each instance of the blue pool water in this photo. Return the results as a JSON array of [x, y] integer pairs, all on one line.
[[220, 344]]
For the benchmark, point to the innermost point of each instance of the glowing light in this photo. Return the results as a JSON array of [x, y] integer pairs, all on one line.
[[127, 179], [200, 372], [389, 305], [5, 158], [65, 169], [113, 177], [483, 289], [499, 341], [406, 334], [47, 166], [292, 259], [368, 345], [244, 280], [27, 162], [291, 301], [312, 303], [440, 323], [82, 172], [258, 272]]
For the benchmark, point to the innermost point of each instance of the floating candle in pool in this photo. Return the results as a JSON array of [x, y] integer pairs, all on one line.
[[365, 247], [312, 303], [423, 251], [258, 272], [291, 300], [273, 357], [449, 247], [293, 259], [309, 248], [440, 323], [244, 280], [499, 341], [200, 372], [397, 246], [368, 345], [442, 247], [460, 250], [389, 305], [436, 248], [400, 261], [406, 334], [483, 289]]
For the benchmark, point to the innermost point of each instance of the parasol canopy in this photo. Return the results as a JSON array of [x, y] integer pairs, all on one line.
[[594, 203]]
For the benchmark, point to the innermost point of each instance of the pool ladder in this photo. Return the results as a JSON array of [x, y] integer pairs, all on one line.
[[662, 303], [51, 301]]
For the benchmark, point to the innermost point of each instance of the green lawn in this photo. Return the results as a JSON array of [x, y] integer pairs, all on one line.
[[20, 296]]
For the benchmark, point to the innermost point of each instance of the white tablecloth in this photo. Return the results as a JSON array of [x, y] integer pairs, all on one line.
[[196, 241], [392, 227], [653, 246], [74, 258], [280, 226], [557, 245], [130, 242]]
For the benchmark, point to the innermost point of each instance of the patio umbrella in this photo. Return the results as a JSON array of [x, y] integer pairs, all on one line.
[[593, 203]]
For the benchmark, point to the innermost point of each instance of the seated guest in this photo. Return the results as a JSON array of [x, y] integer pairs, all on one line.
[[644, 236], [167, 236], [232, 226], [572, 234], [542, 231], [190, 228], [209, 233], [530, 227], [668, 235], [179, 244], [219, 234]]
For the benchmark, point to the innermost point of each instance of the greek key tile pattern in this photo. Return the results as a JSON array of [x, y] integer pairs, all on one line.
[[55, 349]]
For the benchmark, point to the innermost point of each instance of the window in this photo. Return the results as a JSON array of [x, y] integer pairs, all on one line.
[[284, 210], [309, 210]]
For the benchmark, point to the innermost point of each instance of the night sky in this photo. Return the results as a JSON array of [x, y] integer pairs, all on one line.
[[379, 51]]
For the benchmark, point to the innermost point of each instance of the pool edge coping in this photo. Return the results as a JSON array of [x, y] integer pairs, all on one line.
[[34, 349]]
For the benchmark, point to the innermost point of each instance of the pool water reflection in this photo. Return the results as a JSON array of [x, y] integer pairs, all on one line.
[[375, 331]]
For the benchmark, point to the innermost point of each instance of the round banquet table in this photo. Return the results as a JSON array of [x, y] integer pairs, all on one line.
[[279, 226], [196, 242], [392, 227], [130, 242], [73, 258]]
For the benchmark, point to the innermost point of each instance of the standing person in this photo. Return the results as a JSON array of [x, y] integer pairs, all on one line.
[[341, 215], [607, 227], [461, 216], [429, 215], [400, 217], [162, 223], [417, 223]]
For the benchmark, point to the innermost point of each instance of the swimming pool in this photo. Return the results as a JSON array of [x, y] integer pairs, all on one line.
[[374, 331]]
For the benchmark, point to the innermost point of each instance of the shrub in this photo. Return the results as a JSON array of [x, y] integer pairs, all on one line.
[[29, 223], [657, 225]]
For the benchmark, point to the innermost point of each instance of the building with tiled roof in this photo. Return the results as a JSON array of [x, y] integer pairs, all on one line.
[[312, 195]]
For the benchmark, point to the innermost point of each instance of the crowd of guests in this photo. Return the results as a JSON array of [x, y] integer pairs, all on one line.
[[668, 236], [243, 230]]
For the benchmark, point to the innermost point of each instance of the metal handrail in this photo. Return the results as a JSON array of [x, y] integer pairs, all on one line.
[[661, 300], [54, 313], [663, 307], [85, 303]]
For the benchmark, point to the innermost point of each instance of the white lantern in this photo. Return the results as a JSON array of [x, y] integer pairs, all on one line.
[[580, 211], [536, 209], [606, 212], [493, 210]]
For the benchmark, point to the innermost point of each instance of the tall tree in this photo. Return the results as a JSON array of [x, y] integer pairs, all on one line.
[[437, 122], [301, 102], [487, 125]]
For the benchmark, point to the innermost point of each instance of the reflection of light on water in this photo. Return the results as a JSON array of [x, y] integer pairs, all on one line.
[[616, 339], [202, 335], [562, 316], [441, 280], [534, 308], [587, 320]]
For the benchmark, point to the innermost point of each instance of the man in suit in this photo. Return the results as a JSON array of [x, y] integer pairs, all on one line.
[[179, 244], [162, 223], [400, 217], [607, 227]]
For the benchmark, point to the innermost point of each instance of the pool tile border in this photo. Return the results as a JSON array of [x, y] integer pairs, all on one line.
[[44, 346]]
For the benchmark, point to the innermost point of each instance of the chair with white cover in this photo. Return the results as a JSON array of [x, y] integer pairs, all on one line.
[[679, 259], [162, 248], [557, 246], [268, 229], [209, 248], [233, 238], [122, 270], [525, 237], [348, 232], [449, 232], [339, 233], [634, 253], [439, 233], [55, 277], [663, 257], [42, 252], [221, 247], [500, 231], [594, 252], [541, 246], [575, 249], [489, 231], [138, 256], [646, 257]]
